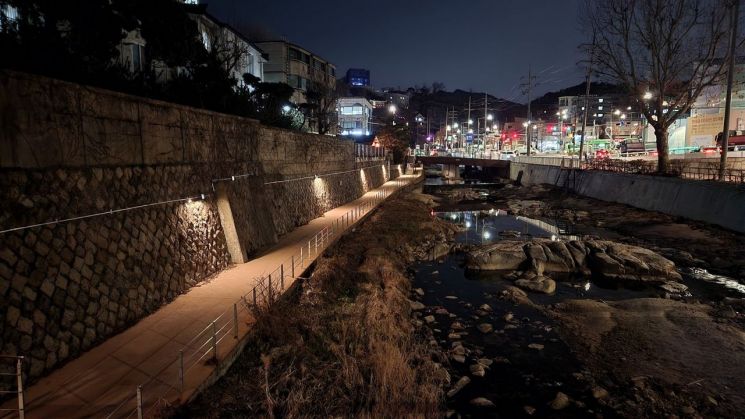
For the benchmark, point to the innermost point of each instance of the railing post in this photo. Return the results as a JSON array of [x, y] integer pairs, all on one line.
[[282, 277], [214, 340], [316, 245], [181, 369], [19, 378], [270, 298], [139, 402], [301, 256], [254, 292], [235, 321], [292, 261], [309, 247]]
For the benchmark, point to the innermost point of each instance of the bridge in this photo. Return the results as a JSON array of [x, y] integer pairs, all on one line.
[[450, 164]]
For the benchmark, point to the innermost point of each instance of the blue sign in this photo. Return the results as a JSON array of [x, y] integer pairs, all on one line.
[[469, 138]]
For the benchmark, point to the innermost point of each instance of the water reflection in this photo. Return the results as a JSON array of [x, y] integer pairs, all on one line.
[[483, 227], [724, 281]]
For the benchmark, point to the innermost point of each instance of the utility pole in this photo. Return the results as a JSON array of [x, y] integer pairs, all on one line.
[[527, 88], [587, 104], [486, 122], [728, 99], [468, 126]]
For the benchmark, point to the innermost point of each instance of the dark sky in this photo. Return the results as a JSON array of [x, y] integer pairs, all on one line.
[[483, 45]]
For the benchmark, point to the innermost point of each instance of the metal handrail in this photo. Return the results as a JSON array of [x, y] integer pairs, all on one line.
[[19, 384], [319, 241]]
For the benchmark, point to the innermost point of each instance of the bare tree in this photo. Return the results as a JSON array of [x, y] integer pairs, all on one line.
[[664, 53], [321, 107]]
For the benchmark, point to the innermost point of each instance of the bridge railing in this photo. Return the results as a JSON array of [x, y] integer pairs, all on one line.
[[364, 152], [563, 161]]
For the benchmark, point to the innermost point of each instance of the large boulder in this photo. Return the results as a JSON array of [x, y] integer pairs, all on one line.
[[600, 258], [623, 262], [500, 256]]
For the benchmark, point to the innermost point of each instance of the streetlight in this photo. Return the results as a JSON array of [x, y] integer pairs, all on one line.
[[647, 96], [470, 122], [392, 109], [489, 117]]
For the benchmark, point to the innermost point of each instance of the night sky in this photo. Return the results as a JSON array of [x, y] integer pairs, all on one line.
[[483, 45]]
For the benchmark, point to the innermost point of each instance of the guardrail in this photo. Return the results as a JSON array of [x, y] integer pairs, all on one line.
[[205, 346], [568, 161], [11, 373], [699, 169]]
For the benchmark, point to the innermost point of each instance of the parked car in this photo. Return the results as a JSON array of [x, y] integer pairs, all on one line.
[[507, 155], [602, 154]]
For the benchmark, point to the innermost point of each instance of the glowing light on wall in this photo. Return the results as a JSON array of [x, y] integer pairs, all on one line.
[[320, 191], [364, 181]]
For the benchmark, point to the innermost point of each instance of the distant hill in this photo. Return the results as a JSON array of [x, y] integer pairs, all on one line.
[[438, 102], [597, 88]]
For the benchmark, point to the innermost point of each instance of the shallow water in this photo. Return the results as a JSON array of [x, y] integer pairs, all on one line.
[[530, 377]]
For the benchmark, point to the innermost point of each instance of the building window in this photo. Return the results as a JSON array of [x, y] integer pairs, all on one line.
[[251, 64], [600, 100], [137, 57], [296, 54], [8, 14], [352, 110], [600, 108], [297, 82]]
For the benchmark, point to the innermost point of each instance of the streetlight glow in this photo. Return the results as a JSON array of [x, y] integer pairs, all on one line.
[[392, 109], [489, 117], [647, 96]]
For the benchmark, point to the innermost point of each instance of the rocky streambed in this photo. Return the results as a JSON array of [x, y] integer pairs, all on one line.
[[532, 318]]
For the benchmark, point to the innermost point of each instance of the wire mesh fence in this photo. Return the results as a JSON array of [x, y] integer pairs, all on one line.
[[698, 169]]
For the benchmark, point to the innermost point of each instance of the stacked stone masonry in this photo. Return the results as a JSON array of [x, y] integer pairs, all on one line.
[[68, 151]]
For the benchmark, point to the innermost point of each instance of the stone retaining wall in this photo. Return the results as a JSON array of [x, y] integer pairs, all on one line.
[[68, 151], [712, 202], [69, 285]]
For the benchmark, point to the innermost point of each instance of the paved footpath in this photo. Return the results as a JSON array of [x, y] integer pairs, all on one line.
[[103, 382]]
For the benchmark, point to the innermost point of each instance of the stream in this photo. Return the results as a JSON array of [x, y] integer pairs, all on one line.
[[528, 362]]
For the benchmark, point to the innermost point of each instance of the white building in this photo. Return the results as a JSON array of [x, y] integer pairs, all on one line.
[[230, 42], [354, 116]]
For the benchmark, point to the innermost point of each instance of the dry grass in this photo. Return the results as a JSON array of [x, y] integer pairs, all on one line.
[[342, 344]]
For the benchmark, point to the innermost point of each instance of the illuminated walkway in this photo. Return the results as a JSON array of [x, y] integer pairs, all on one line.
[[103, 382]]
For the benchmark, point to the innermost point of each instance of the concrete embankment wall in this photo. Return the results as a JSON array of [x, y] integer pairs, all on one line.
[[717, 203], [68, 151]]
